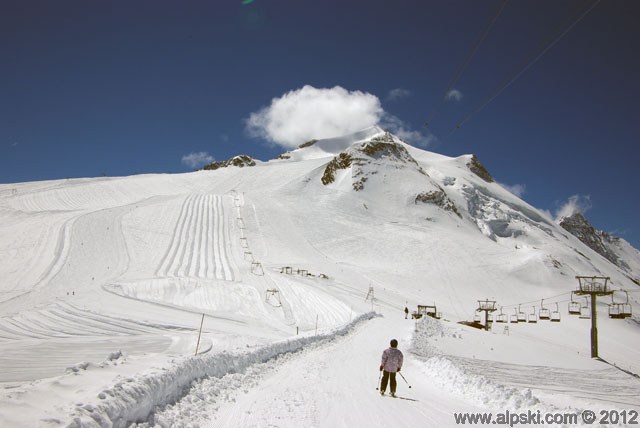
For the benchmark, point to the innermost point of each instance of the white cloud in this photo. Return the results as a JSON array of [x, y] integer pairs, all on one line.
[[306, 113], [196, 160], [453, 95], [404, 132], [397, 93], [517, 189], [575, 204]]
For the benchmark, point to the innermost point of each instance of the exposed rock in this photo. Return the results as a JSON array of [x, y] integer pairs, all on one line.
[[478, 169], [342, 161], [238, 161], [307, 144], [595, 239], [438, 198], [366, 159]]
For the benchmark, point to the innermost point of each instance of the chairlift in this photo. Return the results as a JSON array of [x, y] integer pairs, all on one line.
[[620, 310], [585, 311], [615, 309], [533, 318], [489, 317], [514, 318], [626, 307], [522, 317], [555, 315], [544, 313], [502, 317], [574, 306]]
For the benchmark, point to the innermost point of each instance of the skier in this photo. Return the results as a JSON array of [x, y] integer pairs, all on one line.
[[391, 364], [406, 312]]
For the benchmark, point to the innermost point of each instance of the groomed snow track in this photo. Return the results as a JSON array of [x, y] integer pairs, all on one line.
[[200, 240], [135, 399]]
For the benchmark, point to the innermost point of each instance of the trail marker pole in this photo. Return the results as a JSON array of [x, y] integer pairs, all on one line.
[[199, 334], [371, 296]]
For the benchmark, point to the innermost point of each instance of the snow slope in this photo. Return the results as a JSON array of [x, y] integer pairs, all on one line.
[[106, 281]]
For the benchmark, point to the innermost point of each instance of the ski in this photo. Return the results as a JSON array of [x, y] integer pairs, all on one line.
[[397, 396]]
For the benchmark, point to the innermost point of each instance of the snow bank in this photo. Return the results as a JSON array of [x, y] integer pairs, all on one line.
[[477, 389], [136, 398]]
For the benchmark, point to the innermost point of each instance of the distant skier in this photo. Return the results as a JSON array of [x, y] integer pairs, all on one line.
[[406, 312], [391, 363]]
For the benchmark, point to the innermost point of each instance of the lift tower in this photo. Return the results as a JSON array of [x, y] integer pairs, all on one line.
[[593, 286], [487, 306]]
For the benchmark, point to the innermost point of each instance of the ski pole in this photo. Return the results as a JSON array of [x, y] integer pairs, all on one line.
[[378, 385], [404, 379]]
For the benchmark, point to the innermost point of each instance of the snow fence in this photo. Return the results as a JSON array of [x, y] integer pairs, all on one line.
[[136, 398]]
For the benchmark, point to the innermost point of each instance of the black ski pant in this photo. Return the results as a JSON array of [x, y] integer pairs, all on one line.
[[385, 378]]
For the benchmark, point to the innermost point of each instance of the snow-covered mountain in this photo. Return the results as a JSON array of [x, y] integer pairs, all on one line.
[[613, 248], [107, 282]]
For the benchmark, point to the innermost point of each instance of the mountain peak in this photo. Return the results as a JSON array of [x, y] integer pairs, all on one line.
[[597, 240], [367, 158], [326, 147]]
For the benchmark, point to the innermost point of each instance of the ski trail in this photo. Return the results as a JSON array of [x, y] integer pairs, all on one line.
[[175, 262], [166, 263], [197, 238], [183, 271], [216, 239], [211, 267], [204, 235], [61, 253], [201, 243], [228, 273], [174, 394], [310, 389]]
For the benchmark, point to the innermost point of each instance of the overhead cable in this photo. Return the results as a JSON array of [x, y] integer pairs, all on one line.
[[528, 63], [474, 48]]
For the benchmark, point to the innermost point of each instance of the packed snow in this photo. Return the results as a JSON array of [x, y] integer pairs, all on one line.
[[297, 287]]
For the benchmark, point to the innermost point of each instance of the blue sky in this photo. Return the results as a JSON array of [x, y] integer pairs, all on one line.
[[90, 88]]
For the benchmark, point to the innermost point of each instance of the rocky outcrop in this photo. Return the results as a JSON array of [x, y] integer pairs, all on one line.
[[342, 161], [478, 169], [438, 198], [597, 240], [367, 158], [238, 161]]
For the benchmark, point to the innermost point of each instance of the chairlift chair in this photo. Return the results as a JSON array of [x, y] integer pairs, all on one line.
[[544, 313], [574, 307], [514, 318], [533, 318], [626, 307], [502, 317], [476, 318], [619, 310], [615, 311], [555, 315], [522, 317]]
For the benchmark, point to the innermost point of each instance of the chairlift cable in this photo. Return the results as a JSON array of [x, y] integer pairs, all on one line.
[[474, 49], [537, 300], [507, 82]]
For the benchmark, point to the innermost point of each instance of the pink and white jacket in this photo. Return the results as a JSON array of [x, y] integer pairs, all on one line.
[[392, 360]]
